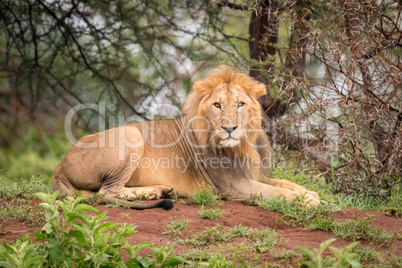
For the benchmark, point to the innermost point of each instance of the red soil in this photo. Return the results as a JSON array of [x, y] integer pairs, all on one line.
[[152, 223]]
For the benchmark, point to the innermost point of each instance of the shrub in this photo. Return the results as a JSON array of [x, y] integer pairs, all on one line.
[[75, 239], [343, 257]]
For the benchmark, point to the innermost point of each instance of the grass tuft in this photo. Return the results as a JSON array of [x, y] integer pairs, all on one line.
[[366, 254], [207, 237], [205, 196], [210, 213], [286, 254], [264, 240], [241, 231], [175, 226]]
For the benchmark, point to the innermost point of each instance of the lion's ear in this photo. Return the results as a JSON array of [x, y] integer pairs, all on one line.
[[259, 91], [202, 87]]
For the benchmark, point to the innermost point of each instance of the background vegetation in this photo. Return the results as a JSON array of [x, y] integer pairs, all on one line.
[[333, 70]]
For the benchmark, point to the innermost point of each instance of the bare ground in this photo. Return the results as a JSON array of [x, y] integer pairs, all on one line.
[[151, 225]]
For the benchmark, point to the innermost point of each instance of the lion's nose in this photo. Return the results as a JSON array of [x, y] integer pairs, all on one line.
[[229, 129]]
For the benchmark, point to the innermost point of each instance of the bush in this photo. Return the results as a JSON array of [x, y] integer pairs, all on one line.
[[75, 239]]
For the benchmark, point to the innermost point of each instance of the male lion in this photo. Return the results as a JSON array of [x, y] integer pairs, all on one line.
[[219, 142]]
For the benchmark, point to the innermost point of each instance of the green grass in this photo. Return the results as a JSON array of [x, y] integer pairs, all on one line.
[[21, 204], [205, 196], [207, 237], [296, 210], [212, 213], [25, 188], [23, 210], [260, 240], [360, 229], [241, 231], [286, 254], [314, 181], [265, 240], [34, 153], [175, 226], [366, 254], [318, 218]]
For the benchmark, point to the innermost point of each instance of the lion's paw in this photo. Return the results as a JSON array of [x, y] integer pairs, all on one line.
[[312, 198], [163, 191]]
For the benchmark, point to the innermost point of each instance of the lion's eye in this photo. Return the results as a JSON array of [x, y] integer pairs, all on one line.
[[217, 105], [240, 104]]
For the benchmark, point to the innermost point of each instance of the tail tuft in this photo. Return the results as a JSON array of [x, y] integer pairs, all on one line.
[[165, 204]]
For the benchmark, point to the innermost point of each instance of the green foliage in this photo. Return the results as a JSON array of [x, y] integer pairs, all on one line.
[[210, 213], [391, 204], [34, 154], [24, 253], [75, 239], [207, 237], [394, 206], [342, 257], [175, 226], [23, 210], [286, 254], [366, 254], [26, 188], [240, 230], [361, 229], [322, 223], [205, 196], [318, 218], [265, 239], [295, 209]]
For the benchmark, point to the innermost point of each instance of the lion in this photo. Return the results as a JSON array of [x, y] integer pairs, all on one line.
[[219, 141]]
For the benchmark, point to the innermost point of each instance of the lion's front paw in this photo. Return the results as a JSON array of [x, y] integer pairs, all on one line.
[[163, 191], [312, 198]]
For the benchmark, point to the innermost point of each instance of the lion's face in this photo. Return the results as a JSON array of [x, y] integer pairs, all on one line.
[[229, 111], [223, 109]]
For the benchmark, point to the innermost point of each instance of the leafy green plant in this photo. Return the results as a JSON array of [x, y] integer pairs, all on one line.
[[205, 196], [318, 218], [175, 226], [264, 240], [26, 188], [366, 254], [240, 230], [286, 254], [210, 213], [24, 253], [394, 207], [229, 256], [296, 210], [322, 223], [207, 237], [361, 229], [75, 239], [24, 210], [342, 257], [196, 254]]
